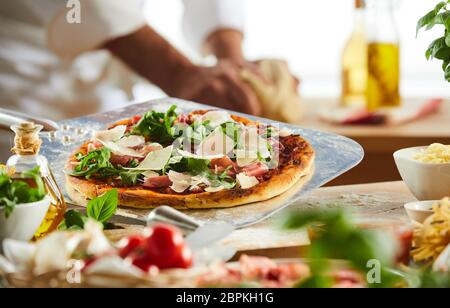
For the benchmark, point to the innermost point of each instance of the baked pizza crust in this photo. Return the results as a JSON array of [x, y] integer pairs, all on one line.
[[300, 166]]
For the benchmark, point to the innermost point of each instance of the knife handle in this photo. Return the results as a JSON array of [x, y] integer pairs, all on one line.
[[167, 214], [9, 117]]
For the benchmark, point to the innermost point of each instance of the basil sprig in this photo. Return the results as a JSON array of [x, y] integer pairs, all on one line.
[[100, 209], [337, 237], [440, 47], [16, 191]]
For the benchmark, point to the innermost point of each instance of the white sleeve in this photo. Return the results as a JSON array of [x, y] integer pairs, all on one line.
[[100, 21], [203, 17]]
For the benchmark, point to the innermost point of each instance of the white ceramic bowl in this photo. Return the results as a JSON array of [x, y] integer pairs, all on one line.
[[23, 221], [426, 181], [420, 210]]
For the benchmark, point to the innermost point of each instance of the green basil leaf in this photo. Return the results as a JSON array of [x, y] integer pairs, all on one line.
[[8, 205], [440, 6], [103, 207], [4, 180], [447, 74], [73, 220], [445, 64], [13, 192], [36, 176], [426, 20], [197, 166], [444, 18], [447, 39], [438, 49]]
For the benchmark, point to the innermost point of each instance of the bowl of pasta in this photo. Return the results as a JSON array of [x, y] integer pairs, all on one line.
[[425, 170]]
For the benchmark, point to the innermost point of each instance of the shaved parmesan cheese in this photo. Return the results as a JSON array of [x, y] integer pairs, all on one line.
[[198, 179], [180, 181], [111, 135], [246, 181], [175, 160], [155, 160], [245, 158], [251, 141], [91, 147], [216, 118], [155, 145], [120, 150], [131, 141], [150, 174], [216, 143], [196, 156], [285, 132], [263, 148], [214, 189]]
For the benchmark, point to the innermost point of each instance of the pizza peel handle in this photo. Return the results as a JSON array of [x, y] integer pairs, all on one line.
[[166, 214], [9, 117]]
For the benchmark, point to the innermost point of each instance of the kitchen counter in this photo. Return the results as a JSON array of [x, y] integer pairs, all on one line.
[[380, 142], [377, 200]]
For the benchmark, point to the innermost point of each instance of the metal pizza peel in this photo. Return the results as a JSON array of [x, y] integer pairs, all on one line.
[[335, 155]]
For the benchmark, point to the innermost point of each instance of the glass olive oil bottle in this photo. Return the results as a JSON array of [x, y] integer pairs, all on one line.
[[383, 58], [26, 149], [354, 61]]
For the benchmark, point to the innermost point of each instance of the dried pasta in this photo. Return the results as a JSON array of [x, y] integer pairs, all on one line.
[[433, 236]]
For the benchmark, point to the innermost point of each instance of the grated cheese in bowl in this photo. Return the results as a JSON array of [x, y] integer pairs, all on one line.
[[434, 154]]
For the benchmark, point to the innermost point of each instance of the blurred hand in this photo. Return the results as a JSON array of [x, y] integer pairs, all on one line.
[[265, 76], [220, 86]]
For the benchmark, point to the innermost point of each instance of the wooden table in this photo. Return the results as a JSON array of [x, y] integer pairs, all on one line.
[[379, 200], [380, 142]]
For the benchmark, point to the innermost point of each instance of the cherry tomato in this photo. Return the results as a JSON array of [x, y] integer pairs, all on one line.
[[184, 260], [165, 246], [88, 262], [135, 119], [142, 261], [132, 243]]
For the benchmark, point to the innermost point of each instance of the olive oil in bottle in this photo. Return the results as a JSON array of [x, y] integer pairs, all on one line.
[[354, 61], [26, 149], [383, 59], [384, 78]]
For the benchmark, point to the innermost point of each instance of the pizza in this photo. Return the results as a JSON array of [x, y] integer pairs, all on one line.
[[203, 159]]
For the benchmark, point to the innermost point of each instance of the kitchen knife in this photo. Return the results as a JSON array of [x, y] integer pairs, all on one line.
[[9, 117]]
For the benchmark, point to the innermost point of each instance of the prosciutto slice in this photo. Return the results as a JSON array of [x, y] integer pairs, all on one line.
[[157, 182], [256, 169]]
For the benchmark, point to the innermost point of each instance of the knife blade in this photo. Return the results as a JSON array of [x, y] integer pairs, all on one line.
[[209, 234]]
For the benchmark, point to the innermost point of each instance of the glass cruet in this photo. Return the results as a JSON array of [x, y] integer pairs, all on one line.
[[26, 148]]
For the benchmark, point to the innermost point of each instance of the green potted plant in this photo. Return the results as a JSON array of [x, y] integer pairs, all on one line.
[[440, 47]]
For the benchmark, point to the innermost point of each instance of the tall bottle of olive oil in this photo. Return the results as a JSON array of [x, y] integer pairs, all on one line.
[[26, 148], [354, 61], [383, 58]]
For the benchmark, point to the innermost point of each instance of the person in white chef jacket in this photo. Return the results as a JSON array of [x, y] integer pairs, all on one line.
[[54, 68]]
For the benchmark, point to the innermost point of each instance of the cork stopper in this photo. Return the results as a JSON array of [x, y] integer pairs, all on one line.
[[359, 4], [26, 141]]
